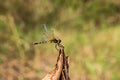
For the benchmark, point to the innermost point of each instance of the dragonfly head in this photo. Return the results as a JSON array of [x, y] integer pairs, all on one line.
[[58, 45], [59, 41]]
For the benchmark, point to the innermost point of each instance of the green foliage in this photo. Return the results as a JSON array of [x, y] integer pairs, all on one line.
[[61, 13]]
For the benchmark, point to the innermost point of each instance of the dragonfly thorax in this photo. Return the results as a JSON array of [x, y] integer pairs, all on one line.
[[57, 41]]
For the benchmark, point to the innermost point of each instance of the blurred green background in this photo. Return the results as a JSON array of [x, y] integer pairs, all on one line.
[[89, 30]]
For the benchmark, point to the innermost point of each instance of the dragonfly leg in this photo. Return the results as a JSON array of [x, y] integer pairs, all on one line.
[[56, 46]]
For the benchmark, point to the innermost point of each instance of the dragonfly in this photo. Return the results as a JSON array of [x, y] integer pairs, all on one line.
[[48, 37]]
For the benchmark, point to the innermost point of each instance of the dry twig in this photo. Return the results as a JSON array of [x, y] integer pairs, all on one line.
[[61, 70]]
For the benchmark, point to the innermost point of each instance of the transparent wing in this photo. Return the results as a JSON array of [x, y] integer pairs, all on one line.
[[45, 28], [44, 38], [46, 35], [49, 34]]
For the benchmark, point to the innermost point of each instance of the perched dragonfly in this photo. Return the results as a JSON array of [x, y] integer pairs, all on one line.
[[49, 38]]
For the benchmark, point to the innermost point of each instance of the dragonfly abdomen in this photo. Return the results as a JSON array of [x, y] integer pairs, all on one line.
[[42, 42]]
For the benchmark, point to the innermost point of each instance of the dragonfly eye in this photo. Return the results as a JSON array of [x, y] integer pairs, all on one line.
[[59, 41]]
